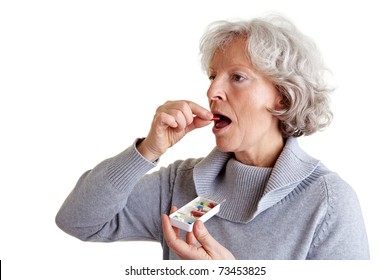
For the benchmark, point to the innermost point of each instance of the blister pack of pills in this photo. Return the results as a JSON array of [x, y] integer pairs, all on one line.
[[198, 209]]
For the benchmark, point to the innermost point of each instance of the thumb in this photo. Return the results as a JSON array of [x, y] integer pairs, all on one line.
[[204, 237], [197, 123], [212, 247]]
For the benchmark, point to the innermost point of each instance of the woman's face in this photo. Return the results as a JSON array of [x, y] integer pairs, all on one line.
[[241, 96]]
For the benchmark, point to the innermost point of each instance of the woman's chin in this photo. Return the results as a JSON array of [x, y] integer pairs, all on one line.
[[224, 146]]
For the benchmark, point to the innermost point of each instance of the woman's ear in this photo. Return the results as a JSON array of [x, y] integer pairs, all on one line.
[[280, 103]]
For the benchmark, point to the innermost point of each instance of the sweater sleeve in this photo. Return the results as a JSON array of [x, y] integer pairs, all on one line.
[[117, 201], [342, 234]]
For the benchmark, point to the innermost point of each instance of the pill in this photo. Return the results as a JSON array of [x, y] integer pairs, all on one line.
[[197, 214], [212, 204]]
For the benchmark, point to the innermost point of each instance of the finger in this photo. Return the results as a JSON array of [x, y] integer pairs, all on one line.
[[204, 238], [170, 234], [180, 118], [191, 240], [184, 115], [197, 123], [200, 111], [173, 209], [177, 230], [174, 242], [189, 109], [211, 246], [180, 109], [164, 120]]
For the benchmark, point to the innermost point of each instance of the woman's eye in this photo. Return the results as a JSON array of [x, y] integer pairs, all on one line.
[[237, 78], [211, 77]]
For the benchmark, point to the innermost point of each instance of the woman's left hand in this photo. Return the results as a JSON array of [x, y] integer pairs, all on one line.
[[209, 248]]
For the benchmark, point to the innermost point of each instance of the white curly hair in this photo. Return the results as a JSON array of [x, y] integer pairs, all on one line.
[[289, 59]]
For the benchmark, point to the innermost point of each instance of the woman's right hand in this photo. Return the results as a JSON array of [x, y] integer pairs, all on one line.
[[171, 122]]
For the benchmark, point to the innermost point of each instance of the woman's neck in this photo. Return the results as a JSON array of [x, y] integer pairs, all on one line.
[[264, 154]]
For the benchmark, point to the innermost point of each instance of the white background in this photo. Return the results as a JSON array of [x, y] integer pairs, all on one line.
[[80, 80]]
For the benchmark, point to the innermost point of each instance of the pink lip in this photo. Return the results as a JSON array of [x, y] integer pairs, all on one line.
[[218, 131], [216, 112]]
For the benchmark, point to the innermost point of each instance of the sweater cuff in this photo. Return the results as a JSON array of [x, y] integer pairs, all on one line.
[[125, 169]]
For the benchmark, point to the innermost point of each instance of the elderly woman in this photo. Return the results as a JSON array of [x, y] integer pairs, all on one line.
[[266, 89]]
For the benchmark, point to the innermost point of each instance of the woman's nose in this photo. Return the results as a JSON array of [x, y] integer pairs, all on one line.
[[216, 90]]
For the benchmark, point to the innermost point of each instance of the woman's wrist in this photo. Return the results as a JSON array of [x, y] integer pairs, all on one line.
[[146, 152]]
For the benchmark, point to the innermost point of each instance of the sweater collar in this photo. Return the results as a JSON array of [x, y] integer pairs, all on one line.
[[292, 166]]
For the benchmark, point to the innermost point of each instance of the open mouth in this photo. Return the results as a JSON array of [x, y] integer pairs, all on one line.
[[222, 121]]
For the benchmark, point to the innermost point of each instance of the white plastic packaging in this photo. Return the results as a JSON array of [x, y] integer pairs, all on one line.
[[198, 209]]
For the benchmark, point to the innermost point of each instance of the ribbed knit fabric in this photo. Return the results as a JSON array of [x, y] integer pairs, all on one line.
[[120, 175], [299, 209], [239, 188], [248, 190]]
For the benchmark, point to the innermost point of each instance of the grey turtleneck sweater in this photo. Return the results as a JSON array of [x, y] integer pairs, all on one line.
[[296, 210]]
